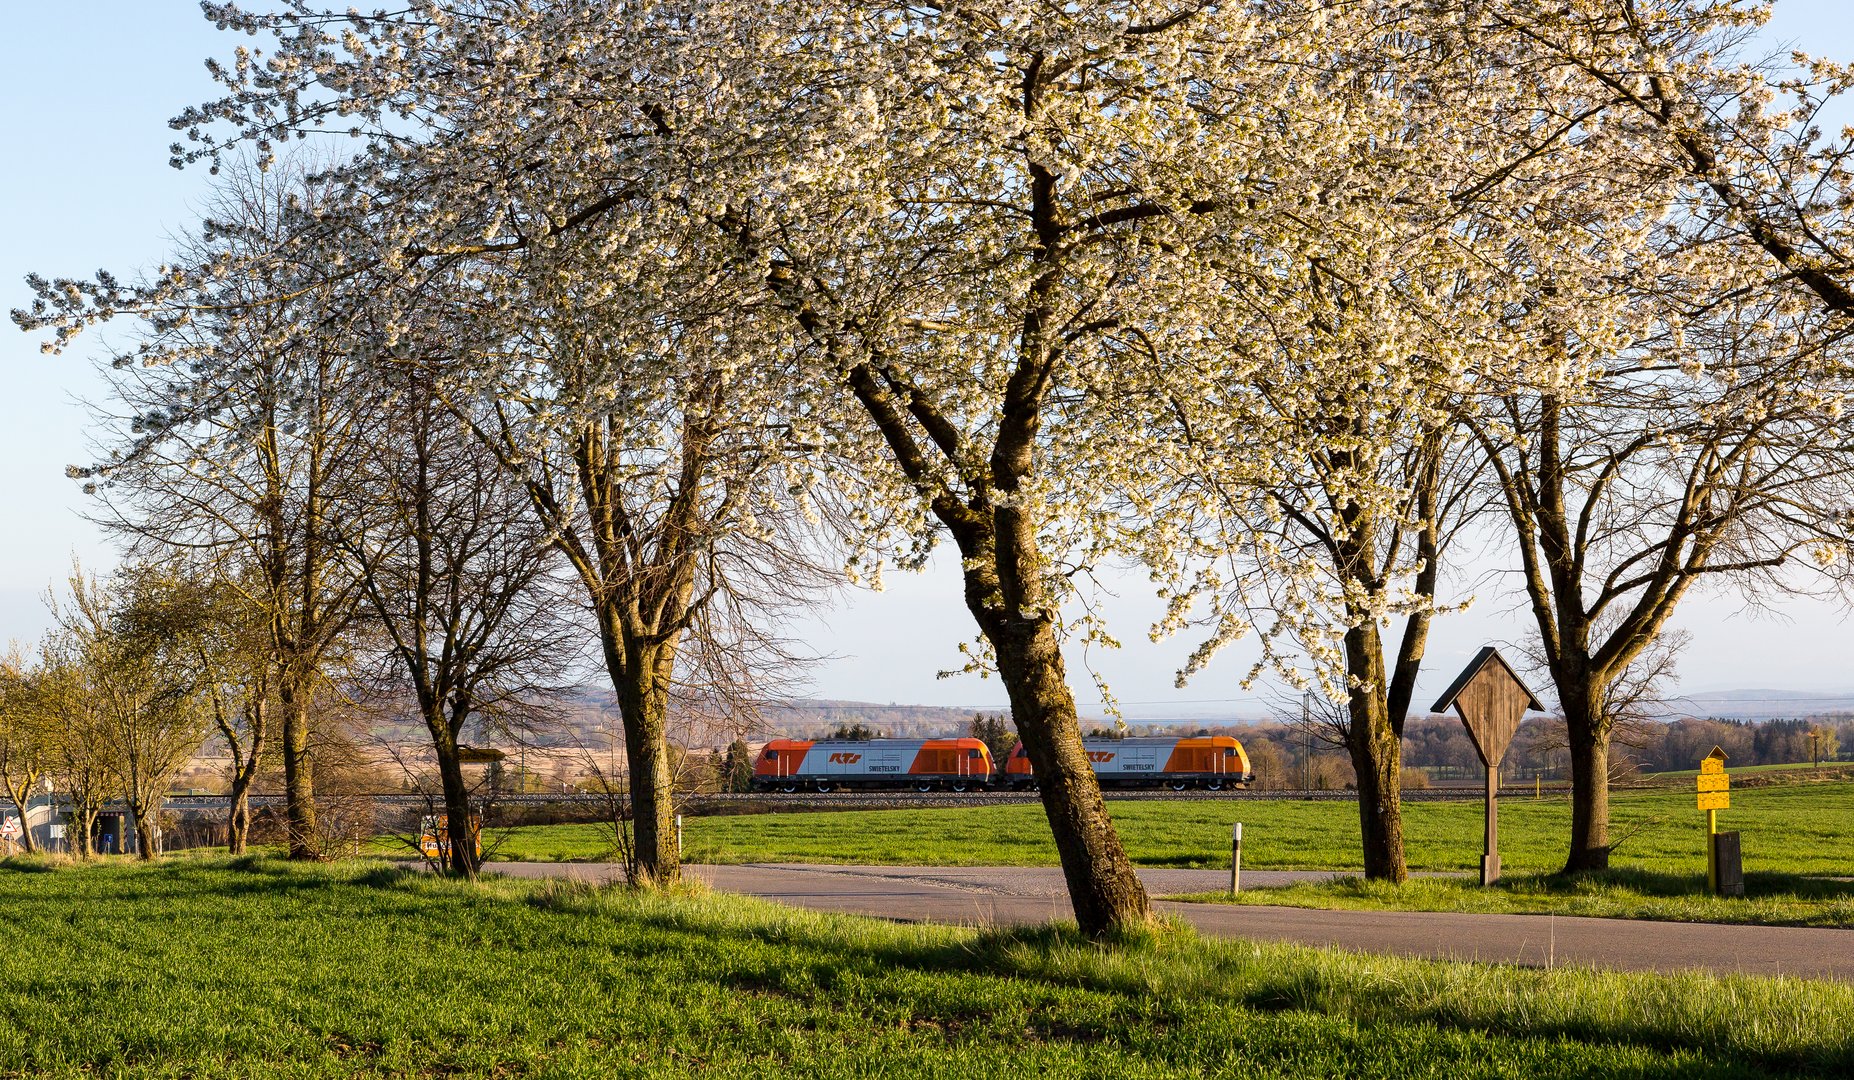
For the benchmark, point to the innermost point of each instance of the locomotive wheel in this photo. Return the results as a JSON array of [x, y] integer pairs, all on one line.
[[1179, 785], [823, 786], [1215, 785], [788, 788], [958, 785], [923, 785]]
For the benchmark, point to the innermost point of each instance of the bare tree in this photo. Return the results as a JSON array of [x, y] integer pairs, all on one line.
[[1724, 461], [454, 568], [231, 421], [664, 472]]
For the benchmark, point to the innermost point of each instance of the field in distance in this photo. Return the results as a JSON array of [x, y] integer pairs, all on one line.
[[256, 968], [1803, 829], [1798, 846]]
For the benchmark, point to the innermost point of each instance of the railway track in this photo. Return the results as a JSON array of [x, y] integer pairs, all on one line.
[[780, 802]]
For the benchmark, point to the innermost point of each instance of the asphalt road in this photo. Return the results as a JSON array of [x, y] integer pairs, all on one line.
[[999, 895]]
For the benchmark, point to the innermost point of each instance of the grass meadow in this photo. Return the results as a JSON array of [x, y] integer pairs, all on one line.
[[1795, 830], [256, 968], [1798, 843]]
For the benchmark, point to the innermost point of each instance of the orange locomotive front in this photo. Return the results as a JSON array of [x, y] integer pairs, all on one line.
[[829, 764], [1205, 761]]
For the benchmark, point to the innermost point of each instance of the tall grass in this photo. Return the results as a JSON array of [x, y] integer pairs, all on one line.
[[1770, 899], [262, 969]]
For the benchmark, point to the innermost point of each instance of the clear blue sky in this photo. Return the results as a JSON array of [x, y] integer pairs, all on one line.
[[85, 94]]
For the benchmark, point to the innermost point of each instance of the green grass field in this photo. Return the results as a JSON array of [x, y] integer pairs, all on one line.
[[253, 968], [1801, 830]]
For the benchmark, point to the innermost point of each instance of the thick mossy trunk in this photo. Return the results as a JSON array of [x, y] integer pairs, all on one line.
[[1377, 758], [1588, 735], [1377, 755], [460, 854], [298, 774], [641, 678], [1105, 890]]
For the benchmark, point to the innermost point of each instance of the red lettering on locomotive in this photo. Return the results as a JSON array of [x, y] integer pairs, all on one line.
[[845, 759], [1098, 756]]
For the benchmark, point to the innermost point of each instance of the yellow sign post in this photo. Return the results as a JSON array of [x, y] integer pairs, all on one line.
[[1715, 794]]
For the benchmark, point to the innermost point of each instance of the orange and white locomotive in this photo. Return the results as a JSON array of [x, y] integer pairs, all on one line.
[[1205, 761], [830, 764]]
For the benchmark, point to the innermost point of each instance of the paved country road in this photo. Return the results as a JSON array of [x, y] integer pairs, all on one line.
[[1014, 895]]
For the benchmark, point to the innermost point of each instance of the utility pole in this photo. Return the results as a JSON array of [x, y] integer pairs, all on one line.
[[1306, 741]]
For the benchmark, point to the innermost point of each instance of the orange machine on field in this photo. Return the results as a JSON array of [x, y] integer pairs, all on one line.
[[829, 764], [1205, 761]]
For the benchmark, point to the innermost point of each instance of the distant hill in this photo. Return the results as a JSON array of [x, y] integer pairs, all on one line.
[[1764, 704], [588, 714]]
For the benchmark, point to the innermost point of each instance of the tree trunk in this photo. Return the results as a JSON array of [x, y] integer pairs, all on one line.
[[238, 820], [19, 801], [1377, 756], [641, 677], [1377, 759], [1588, 734], [84, 825], [145, 831], [1106, 892], [461, 849], [298, 773], [244, 774]]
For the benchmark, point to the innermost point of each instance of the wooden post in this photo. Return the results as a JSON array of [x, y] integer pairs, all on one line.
[[1712, 852], [1490, 857], [1236, 859], [1491, 701]]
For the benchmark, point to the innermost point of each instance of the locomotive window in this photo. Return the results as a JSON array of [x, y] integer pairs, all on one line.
[[972, 753], [1229, 751]]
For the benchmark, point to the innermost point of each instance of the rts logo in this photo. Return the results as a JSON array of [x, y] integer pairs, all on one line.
[[845, 759], [1099, 756]]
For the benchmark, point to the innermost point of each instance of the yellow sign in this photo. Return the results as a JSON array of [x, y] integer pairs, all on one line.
[[1714, 782], [1715, 800]]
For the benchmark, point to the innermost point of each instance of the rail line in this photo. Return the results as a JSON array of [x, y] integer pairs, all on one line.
[[783, 802]]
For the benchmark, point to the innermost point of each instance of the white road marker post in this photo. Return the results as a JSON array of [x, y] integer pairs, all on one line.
[[1236, 859], [679, 839]]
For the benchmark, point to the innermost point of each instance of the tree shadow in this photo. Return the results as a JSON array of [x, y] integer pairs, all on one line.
[[1661, 884]]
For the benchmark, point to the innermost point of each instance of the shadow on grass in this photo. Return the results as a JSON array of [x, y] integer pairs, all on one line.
[[1165, 965], [1171, 963], [26, 864], [1653, 883]]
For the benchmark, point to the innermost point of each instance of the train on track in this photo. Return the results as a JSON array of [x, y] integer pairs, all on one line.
[[832, 764], [1211, 762]]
